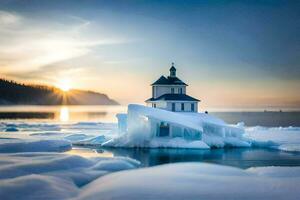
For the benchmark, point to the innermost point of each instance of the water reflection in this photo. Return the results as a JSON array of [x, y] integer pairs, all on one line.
[[64, 114], [236, 157]]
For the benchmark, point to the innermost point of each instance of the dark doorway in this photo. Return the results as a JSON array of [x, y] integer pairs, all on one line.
[[163, 130]]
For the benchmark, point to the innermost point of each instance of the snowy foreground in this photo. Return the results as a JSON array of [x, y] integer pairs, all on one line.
[[60, 176], [33, 165], [53, 175]]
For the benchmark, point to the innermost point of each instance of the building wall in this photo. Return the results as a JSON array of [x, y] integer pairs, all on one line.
[[160, 104], [187, 106], [168, 106], [157, 91]]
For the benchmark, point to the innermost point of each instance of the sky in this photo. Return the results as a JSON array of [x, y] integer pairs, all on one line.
[[233, 54]]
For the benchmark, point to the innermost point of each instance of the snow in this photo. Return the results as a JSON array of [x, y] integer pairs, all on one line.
[[285, 139], [32, 168], [196, 181], [279, 172], [187, 130], [37, 187], [177, 143], [203, 131], [85, 139], [53, 175], [61, 176], [18, 145], [83, 133], [46, 133], [77, 137]]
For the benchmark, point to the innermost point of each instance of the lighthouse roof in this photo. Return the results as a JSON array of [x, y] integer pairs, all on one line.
[[169, 81], [173, 97], [172, 68]]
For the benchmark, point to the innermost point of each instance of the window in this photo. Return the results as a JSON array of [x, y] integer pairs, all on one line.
[[153, 91], [180, 90], [182, 106], [172, 90], [173, 106], [192, 107], [173, 73]]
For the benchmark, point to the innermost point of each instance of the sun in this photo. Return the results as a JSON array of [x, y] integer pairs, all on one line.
[[64, 85], [65, 88]]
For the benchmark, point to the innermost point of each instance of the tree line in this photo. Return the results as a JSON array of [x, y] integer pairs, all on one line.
[[12, 92]]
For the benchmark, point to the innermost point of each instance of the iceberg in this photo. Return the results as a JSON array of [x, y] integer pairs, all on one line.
[[152, 127]]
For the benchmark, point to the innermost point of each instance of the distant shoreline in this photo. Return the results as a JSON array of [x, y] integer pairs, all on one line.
[[13, 94]]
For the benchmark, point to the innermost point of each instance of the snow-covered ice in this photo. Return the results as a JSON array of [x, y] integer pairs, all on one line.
[[196, 181], [285, 139], [90, 133], [62, 176], [32, 168], [53, 175], [139, 128], [185, 130], [20, 145]]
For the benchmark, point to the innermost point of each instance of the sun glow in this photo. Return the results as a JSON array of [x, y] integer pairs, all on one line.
[[64, 85]]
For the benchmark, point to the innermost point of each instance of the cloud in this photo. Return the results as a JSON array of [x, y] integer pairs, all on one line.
[[29, 46], [7, 18]]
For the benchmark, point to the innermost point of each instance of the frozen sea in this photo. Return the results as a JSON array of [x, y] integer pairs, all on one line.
[[57, 149], [88, 126]]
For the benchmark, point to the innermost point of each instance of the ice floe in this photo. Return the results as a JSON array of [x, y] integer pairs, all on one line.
[[20, 145], [286, 139], [89, 133], [150, 127], [155, 128]]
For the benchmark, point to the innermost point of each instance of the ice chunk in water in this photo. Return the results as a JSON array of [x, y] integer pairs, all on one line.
[[143, 124]]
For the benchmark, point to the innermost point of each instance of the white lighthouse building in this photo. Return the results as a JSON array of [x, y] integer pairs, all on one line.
[[170, 94], [177, 124]]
